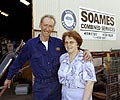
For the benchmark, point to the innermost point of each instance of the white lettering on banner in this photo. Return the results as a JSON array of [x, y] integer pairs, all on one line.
[[97, 25]]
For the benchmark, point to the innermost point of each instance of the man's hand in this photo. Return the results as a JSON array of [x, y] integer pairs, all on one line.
[[7, 83], [87, 56]]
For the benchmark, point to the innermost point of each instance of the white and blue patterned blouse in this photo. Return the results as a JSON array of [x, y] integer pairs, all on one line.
[[76, 73]]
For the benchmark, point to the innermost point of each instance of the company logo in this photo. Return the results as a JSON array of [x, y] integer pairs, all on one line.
[[68, 20]]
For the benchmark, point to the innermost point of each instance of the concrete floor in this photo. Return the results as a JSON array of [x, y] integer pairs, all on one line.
[[9, 94]]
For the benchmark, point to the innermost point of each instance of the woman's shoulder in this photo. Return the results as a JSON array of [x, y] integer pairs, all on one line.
[[63, 56], [81, 52], [80, 55]]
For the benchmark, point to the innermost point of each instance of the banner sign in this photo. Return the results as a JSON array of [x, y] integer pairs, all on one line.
[[97, 25]]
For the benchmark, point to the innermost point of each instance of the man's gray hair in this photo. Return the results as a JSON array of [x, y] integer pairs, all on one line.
[[49, 16]]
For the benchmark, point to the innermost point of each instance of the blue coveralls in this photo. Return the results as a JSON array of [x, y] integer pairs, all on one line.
[[44, 65]]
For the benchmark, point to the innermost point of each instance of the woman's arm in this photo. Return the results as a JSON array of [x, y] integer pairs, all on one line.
[[88, 90]]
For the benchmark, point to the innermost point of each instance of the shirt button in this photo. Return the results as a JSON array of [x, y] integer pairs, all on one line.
[[48, 62]]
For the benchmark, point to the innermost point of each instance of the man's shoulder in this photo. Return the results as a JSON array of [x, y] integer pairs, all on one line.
[[32, 40], [55, 39]]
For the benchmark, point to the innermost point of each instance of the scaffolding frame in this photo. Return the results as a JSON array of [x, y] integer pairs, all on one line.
[[111, 61]]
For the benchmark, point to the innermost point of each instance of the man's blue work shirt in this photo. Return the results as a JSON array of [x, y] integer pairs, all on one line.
[[44, 63]]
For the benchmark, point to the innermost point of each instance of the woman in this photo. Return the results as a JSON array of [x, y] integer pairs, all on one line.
[[76, 75]]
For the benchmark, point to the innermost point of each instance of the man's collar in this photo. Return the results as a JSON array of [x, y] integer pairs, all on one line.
[[38, 39]]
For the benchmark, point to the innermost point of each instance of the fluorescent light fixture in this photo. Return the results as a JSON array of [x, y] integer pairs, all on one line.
[[25, 2], [3, 13]]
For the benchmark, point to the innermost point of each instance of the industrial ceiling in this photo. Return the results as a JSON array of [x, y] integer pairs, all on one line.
[[18, 23]]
